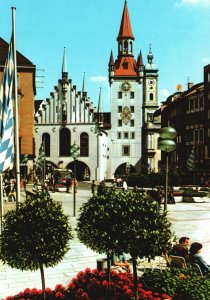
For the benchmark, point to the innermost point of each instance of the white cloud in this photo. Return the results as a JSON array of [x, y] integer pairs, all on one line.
[[163, 95], [194, 2], [99, 78]]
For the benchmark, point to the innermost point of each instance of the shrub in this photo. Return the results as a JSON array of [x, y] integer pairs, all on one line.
[[194, 288], [171, 281]]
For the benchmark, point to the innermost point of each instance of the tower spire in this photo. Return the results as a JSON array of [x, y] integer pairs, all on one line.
[[150, 55], [100, 104], [125, 27], [64, 64], [83, 83]]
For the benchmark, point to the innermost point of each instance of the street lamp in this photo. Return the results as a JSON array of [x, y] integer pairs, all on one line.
[[167, 145], [74, 154]]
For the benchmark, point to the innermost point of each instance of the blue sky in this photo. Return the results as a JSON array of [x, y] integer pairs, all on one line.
[[178, 31]]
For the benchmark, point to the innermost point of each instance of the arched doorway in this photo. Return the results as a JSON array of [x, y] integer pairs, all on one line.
[[124, 170], [82, 170]]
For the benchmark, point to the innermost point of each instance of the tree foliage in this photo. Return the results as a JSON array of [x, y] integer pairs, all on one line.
[[124, 222], [37, 234]]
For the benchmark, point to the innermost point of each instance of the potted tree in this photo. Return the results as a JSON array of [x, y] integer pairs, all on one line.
[[35, 236], [124, 222]]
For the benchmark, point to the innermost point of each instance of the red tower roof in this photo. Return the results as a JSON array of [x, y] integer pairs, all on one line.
[[125, 27]]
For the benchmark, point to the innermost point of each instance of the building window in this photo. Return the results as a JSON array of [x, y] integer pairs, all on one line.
[[84, 144], [151, 96], [150, 141], [46, 143], [125, 135], [119, 109], [120, 123], [132, 109], [149, 117], [132, 135], [132, 95], [132, 123], [125, 47], [119, 135], [65, 142], [201, 103], [125, 65], [126, 150], [119, 95]]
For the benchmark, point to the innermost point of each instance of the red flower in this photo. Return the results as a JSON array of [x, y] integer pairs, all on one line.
[[59, 295]]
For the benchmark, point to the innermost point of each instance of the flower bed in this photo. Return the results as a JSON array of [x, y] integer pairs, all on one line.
[[93, 285]]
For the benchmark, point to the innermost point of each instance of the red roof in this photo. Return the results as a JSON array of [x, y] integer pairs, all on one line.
[[125, 66], [21, 60], [125, 27]]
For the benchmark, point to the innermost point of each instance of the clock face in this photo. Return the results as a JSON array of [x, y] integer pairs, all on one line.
[[126, 86], [151, 82]]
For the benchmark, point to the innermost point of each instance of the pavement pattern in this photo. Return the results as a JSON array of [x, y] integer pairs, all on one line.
[[188, 219]]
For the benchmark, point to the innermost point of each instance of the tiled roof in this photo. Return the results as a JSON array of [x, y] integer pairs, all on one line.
[[120, 68], [21, 60]]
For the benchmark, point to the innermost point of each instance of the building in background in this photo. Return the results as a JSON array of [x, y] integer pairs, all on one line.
[[26, 72], [189, 113]]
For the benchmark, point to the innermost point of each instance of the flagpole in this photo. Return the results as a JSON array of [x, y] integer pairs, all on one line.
[[17, 154]]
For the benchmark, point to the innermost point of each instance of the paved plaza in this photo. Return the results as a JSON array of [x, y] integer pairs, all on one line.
[[188, 219]]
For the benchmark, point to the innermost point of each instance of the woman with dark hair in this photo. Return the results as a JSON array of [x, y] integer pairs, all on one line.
[[197, 258]]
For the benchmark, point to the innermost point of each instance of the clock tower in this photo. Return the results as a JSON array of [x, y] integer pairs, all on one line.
[[125, 79], [151, 122]]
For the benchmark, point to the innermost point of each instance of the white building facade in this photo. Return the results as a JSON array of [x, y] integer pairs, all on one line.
[[112, 143]]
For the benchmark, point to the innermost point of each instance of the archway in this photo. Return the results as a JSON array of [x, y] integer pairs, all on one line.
[[82, 170], [124, 170]]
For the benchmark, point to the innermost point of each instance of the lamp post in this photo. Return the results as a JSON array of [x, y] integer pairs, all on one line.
[[167, 145], [74, 154]]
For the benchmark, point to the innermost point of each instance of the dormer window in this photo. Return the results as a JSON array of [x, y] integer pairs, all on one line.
[[125, 65]]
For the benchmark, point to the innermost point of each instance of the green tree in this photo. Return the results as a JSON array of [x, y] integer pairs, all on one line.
[[35, 236], [124, 222]]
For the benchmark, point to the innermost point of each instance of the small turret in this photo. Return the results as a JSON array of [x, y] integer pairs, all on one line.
[[140, 66], [111, 65]]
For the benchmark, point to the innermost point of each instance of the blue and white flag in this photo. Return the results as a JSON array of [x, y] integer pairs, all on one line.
[[191, 160], [6, 114]]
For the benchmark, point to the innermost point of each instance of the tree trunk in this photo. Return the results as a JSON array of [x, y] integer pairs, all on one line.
[[135, 278], [43, 281], [108, 266]]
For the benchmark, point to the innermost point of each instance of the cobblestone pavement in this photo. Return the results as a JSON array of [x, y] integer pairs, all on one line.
[[188, 219]]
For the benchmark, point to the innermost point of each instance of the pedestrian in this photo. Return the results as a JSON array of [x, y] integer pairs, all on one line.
[[125, 186], [68, 183], [101, 188], [171, 196], [93, 187]]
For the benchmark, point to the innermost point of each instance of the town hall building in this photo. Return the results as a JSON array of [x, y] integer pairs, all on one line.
[[111, 143]]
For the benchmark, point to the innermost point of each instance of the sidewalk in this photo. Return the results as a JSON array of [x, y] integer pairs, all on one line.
[[188, 219]]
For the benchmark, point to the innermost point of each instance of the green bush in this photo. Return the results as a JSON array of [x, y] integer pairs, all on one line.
[[168, 281], [194, 288]]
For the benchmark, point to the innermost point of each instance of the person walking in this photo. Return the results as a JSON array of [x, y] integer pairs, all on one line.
[[93, 187]]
